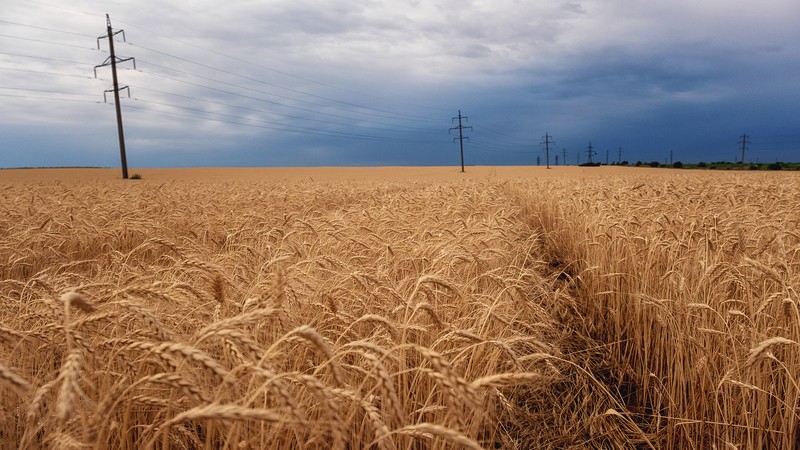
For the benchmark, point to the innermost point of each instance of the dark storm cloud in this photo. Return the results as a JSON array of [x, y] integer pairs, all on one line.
[[375, 82]]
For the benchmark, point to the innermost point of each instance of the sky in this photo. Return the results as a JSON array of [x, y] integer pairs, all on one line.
[[246, 83]]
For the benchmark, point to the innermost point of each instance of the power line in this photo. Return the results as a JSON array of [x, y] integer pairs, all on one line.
[[43, 72], [766, 138], [259, 91], [394, 114], [744, 141], [590, 152], [281, 72], [547, 141], [358, 109], [277, 127], [271, 102], [503, 137], [46, 29], [45, 91], [19, 55], [283, 126], [297, 91], [76, 11], [262, 111], [113, 60], [476, 142], [460, 138], [44, 41], [33, 97]]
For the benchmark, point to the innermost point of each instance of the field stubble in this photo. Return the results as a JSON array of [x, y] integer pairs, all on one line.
[[581, 313]]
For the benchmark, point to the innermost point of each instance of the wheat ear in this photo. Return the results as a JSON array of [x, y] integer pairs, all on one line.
[[432, 431], [16, 382], [222, 412], [507, 379], [764, 346], [69, 375]]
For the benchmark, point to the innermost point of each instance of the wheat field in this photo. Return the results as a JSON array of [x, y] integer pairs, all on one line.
[[399, 309]]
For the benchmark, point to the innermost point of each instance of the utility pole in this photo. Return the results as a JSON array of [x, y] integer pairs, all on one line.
[[564, 150], [590, 151], [606, 156], [745, 140], [670, 157], [460, 137], [619, 155], [556, 158], [113, 60], [547, 143]]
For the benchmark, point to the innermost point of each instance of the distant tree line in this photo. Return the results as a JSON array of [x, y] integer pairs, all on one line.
[[716, 165]]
